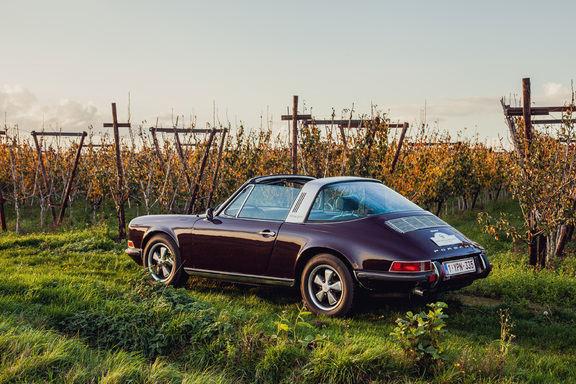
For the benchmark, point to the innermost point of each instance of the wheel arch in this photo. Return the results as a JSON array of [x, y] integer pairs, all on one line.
[[309, 253], [158, 231]]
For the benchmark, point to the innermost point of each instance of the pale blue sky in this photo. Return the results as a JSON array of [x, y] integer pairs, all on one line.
[[66, 61]]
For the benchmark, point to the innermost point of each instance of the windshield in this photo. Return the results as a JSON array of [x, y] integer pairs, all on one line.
[[345, 201]]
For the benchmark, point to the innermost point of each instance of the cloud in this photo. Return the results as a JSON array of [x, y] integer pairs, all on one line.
[[21, 107], [554, 95], [444, 109]]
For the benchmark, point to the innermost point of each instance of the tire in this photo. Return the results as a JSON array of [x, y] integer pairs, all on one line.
[[327, 286], [163, 262]]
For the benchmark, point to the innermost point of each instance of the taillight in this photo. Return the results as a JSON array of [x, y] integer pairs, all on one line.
[[130, 244], [411, 266]]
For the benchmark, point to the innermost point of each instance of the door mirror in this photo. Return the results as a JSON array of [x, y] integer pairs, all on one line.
[[209, 215]]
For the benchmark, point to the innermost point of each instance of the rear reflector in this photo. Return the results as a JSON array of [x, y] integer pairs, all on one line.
[[405, 266]]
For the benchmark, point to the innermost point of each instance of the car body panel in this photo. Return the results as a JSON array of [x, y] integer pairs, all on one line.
[[234, 245]]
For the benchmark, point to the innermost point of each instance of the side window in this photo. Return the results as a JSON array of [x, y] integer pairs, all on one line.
[[233, 208], [268, 202]]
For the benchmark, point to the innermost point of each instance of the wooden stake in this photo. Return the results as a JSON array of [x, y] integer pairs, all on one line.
[[121, 197], [2, 213], [399, 147], [157, 147], [295, 117], [295, 135], [527, 114], [200, 173], [344, 144], [215, 175], [70, 181], [182, 158], [47, 188]]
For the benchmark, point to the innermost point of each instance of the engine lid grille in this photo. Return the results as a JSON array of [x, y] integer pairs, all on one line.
[[414, 223]]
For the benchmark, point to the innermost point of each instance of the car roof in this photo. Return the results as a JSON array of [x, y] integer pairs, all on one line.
[[308, 193]]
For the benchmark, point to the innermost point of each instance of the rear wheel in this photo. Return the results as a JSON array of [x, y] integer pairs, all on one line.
[[163, 261], [327, 286]]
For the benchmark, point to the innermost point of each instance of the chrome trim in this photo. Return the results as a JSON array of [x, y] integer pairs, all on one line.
[[437, 269], [482, 257], [243, 203], [133, 252], [393, 276], [240, 277]]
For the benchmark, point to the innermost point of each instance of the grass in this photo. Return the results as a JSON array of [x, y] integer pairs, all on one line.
[[75, 309]]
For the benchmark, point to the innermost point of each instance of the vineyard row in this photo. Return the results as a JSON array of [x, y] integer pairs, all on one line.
[[160, 178]]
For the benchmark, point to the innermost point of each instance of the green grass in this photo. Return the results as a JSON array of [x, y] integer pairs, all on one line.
[[75, 309]]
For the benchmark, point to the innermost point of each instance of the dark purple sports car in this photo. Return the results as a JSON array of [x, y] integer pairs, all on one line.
[[331, 237]]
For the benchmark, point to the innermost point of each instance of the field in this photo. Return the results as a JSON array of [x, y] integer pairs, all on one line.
[[75, 309]]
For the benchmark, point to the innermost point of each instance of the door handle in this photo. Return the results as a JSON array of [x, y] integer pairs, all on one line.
[[267, 232]]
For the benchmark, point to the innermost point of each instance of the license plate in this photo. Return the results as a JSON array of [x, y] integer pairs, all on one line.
[[459, 267]]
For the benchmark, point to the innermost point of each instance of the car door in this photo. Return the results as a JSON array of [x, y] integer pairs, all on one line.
[[242, 237]]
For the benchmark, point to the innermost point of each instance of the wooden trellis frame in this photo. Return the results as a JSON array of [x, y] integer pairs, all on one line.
[[537, 242], [193, 186], [350, 123], [48, 187], [527, 112]]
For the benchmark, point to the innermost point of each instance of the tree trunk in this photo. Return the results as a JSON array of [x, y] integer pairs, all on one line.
[[475, 198], [542, 242], [563, 239], [533, 248], [439, 209]]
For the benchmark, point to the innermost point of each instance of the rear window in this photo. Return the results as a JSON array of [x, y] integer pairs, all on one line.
[[351, 200]]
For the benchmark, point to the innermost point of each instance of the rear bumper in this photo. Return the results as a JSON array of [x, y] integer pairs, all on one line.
[[135, 254], [428, 282]]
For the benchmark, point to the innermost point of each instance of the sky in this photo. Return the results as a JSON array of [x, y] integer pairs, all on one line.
[[443, 63]]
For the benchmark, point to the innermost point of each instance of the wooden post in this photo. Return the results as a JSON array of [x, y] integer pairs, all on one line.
[[121, 196], [2, 213], [527, 114], [120, 173], [47, 188], [200, 173], [182, 157], [512, 128], [215, 174], [344, 144], [70, 181], [399, 147], [295, 117], [534, 239], [157, 147], [295, 135]]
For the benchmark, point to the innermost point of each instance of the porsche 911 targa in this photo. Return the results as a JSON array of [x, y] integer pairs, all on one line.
[[331, 237]]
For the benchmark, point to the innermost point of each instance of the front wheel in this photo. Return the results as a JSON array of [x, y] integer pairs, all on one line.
[[163, 261], [327, 286]]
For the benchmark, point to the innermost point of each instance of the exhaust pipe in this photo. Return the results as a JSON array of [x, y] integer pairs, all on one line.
[[421, 292]]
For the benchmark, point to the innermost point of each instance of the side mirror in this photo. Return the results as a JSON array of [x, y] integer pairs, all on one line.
[[209, 215]]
